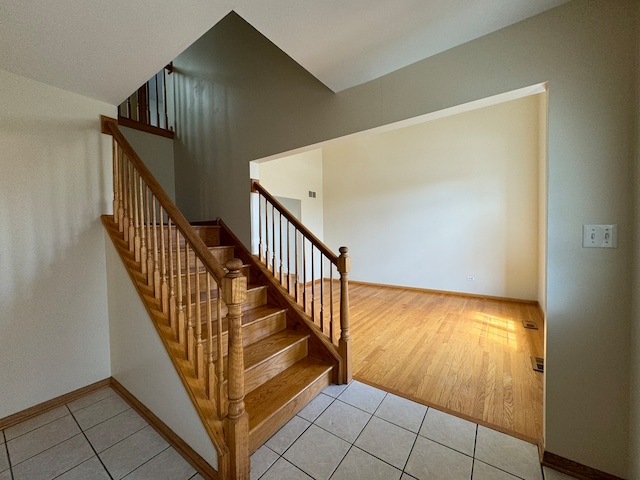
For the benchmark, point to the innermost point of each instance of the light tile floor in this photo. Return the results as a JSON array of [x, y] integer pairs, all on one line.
[[345, 433], [360, 432], [94, 438]]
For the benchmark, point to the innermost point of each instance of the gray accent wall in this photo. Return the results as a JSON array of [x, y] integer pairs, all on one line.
[[239, 98]]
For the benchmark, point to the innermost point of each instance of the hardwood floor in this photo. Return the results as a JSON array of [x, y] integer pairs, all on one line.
[[463, 355]]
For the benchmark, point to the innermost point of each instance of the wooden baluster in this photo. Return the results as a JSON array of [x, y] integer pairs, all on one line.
[[297, 262], [273, 240], [157, 287], [260, 245], [267, 253], [331, 319], [150, 248], [344, 266], [164, 97], [313, 287], [172, 279], [210, 370], [288, 258], [304, 275], [281, 240], [157, 102], [131, 228], [221, 395], [116, 185], [322, 293], [143, 227], [136, 216], [129, 107], [164, 288], [125, 198], [198, 360], [180, 316], [120, 193], [234, 288], [190, 325]]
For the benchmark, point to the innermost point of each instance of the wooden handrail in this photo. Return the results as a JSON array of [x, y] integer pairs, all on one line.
[[313, 288], [110, 127], [142, 210], [256, 187]]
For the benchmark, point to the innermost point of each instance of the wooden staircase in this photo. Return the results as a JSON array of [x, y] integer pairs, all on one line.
[[280, 375], [248, 354]]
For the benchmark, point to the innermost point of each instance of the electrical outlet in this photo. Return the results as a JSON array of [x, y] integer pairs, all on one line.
[[600, 236], [470, 277]]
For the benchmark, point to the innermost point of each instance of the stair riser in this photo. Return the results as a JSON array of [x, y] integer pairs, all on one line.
[[264, 431], [263, 372], [203, 279], [256, 331], [210, 235], [221, 254], [256, 297]]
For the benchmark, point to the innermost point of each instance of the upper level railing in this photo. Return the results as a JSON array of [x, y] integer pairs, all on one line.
[[191, 287], [308, 270], [150, 108]]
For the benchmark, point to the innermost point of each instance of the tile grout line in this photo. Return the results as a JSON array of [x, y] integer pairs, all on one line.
[[353, 444], [147, 461], [91, 445], [473, 458], [424, 418], [6, 448]]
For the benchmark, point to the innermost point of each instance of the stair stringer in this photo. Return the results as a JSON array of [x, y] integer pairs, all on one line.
[[194, 387]]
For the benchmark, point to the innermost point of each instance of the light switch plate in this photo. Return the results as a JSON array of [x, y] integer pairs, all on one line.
[[600, 236]]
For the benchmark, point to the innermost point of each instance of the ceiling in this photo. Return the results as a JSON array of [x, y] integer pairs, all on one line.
[[105, 50]]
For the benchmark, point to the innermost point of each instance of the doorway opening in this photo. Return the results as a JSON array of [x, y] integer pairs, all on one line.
[[453, 202]]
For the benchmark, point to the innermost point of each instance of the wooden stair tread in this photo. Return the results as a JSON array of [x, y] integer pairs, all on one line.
[[258, 313], [262, 350], [263, 403]]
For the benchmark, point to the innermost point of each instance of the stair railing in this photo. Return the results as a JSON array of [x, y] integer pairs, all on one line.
[[308, 270], [148, 108], [187, 281]]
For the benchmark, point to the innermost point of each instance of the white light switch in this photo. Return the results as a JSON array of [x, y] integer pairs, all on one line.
[[600, 236]]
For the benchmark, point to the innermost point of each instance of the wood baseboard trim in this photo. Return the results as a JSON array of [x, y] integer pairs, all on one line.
[[189, 454], [445, 292], [51, 404], [575, 469]]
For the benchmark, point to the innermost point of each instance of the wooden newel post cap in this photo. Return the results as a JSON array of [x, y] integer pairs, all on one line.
[[234, 265], [344, 262]]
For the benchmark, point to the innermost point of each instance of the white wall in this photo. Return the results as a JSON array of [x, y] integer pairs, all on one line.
[[428, 205], [141, 364], [157, 154], [294, 177], [55, 182]]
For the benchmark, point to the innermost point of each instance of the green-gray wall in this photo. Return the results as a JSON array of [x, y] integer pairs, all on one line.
[[240, 98]]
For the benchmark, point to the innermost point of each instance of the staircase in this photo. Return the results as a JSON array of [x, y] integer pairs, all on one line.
[[281, 376], [247, 353]]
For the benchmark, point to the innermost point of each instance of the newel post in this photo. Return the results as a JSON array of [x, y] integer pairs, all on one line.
[[344, 346], [234, 293]]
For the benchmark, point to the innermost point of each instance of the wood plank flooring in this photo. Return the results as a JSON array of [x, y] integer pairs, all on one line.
[[463, 355]]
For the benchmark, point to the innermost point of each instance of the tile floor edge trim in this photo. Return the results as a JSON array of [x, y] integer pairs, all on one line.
[[575, 469], [497, 428], [172, 438], [44, 407]]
